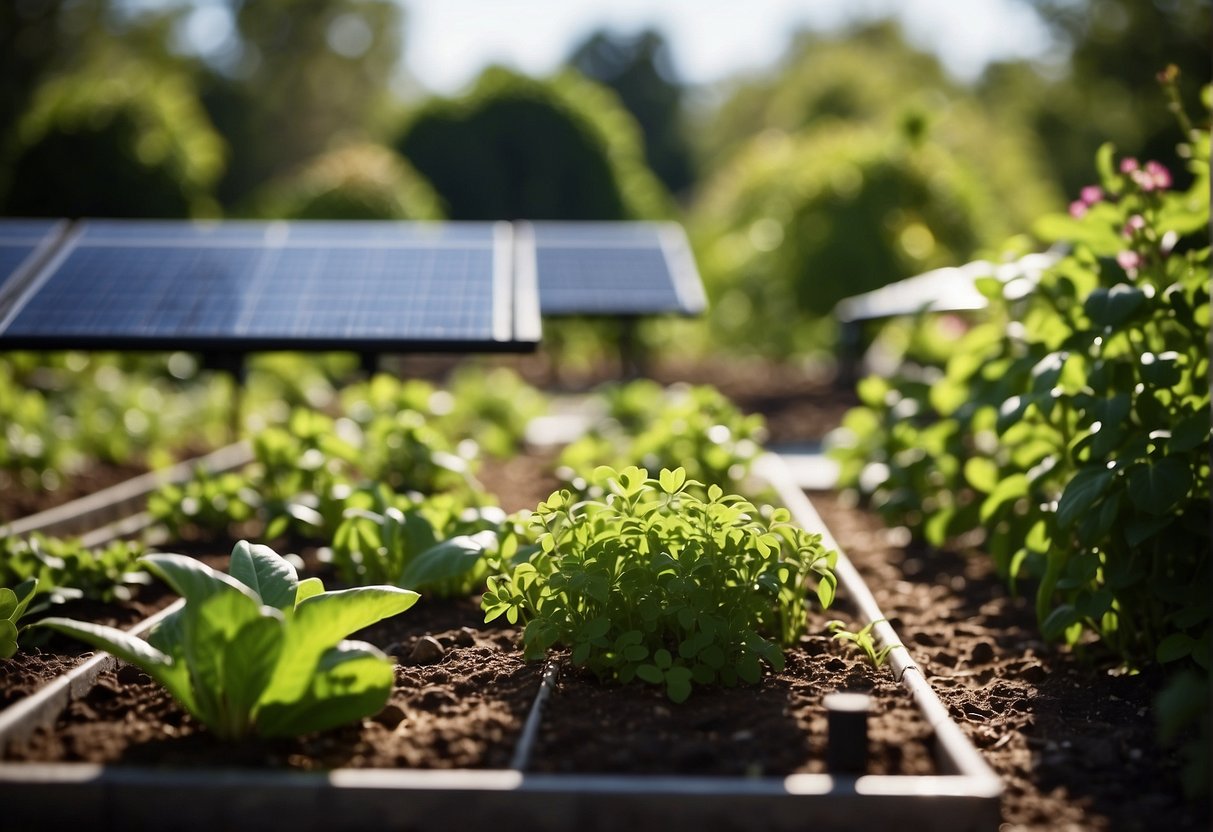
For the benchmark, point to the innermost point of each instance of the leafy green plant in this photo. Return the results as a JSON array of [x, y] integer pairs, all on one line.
[[259, 652], [1071, 428], [14, 603], [439, 544], [655, 583], [694, 428], [65, 569], [863, 640]]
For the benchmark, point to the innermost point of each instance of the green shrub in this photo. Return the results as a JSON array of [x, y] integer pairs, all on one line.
[[117, 138], [518, 148], [355, 182], [655, 583]]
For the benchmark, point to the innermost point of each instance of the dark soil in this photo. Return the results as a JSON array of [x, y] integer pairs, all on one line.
[[18, 500]]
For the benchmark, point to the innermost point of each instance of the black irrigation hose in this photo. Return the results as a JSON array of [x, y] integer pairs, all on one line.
[[526, 742]]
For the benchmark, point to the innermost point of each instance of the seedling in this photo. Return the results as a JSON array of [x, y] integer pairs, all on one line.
[[863, 639], [259, 652], [656, 583], [13, 604]]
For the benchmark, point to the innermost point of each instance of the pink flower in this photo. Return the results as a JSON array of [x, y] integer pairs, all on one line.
[[1159, 174], [1130, 261], [1078, 208], [1153, 177], [1091, 194], [1128, 164], [1135, 224]]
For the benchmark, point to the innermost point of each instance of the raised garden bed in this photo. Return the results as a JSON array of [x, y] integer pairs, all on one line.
[[722, 777]]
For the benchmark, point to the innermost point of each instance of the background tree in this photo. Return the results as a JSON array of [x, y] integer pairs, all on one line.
[[309, 75], [640, 71], [119, 137], [520, 148], [1107, 89]]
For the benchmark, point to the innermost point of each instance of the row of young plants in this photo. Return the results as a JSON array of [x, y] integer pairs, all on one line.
[[1069, 431], [671, 579]]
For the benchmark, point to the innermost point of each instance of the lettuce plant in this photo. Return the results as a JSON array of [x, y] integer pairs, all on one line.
[[259, 652], [656, 583], [437, 544], [13, 604]]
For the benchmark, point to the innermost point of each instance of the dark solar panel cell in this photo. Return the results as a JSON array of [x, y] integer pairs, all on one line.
[[608, 281], [613, 269], [12, 256]]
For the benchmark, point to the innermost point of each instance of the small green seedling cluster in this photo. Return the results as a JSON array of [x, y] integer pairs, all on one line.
[[657, 583], [695, 428], [67, 570], [259, 652], [862, 639], [437, 544], [14, 603]]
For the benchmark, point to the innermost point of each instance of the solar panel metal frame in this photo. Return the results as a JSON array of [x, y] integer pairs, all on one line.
[[514, 313], [685, 285]]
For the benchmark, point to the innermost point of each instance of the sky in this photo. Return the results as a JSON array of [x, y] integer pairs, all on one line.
[[448, 42]]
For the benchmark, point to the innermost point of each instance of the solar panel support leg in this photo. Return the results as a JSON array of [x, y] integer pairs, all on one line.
[[234, 365]]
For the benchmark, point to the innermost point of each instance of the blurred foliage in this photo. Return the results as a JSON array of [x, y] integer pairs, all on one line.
[[63, 412], [858, 164], [638, 68], [302, 78], [355, 182], [796, 223], [520, 148], [1106, 92], [117, 137]]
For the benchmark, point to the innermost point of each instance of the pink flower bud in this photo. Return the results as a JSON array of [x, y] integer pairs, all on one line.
[[1130, 261], [1078, 208], [1134, 224], [1091, 194], [1128, 164]]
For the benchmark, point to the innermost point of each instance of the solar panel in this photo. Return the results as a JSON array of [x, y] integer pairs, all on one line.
[[367, 286], [610, 269], [23, 243]]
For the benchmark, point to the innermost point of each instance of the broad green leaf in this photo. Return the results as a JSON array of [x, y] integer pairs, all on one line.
[[1156, 488], [1082, 492], [650, 673], [1190, 432], [231, 655], [320, 622], [1174, 647], [308, 588], [981, 473], [1058, 621], [8, 639], [447, 560], [15, 601], [672, 481], [1008, 489], [353, 680], [192, 579], [678, 683], [1114, 306], [265, 572], [130, 649]]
